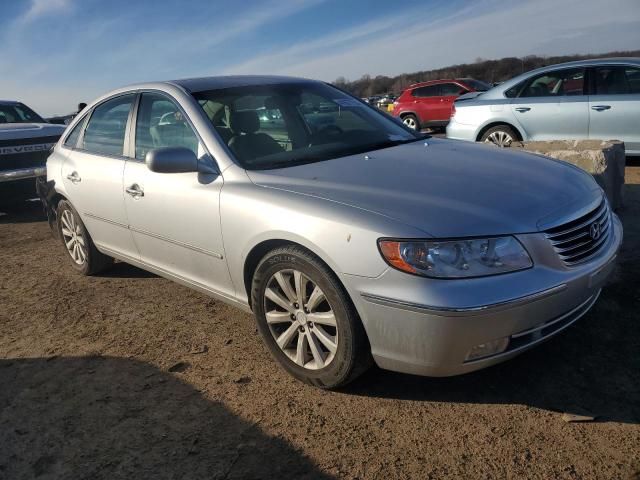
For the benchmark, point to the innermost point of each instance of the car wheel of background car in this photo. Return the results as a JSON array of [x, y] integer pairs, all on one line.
[[84, 255], [411, 121], [307, 319], [501, 136]]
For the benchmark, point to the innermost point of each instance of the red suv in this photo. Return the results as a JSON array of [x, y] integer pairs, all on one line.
[[429, 104]]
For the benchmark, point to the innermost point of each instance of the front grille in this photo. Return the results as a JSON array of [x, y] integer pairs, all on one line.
[[25, 152], [582, 239]]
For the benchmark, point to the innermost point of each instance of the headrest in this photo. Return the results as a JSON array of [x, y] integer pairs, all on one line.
[[245, 121]]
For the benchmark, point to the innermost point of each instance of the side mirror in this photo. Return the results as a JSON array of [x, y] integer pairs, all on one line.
[[171, 160]]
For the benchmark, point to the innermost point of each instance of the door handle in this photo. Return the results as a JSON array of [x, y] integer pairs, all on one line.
[[73, 177], [600, 108], [522, 109], [135, 191]]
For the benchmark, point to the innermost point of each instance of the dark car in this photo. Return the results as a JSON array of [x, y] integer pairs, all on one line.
[[429, 104]]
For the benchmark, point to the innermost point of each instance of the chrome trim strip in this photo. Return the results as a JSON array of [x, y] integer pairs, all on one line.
[[537, 341], [177, 242], [155, 235], [480, 308], [21, 173], [559, 319]]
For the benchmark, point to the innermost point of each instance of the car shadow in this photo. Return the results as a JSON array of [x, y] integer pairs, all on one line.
[[106, 418], [27, 211], [593, 367], [125, 270]]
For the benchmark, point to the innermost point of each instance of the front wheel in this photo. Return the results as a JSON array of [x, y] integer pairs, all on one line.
[[307, 319]]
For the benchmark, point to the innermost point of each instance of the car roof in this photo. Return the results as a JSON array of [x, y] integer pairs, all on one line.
[[9, 102], [498, 91], [194, 85], [436, 82]]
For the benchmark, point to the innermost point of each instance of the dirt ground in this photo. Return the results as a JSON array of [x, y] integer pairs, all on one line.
[[127, 375]]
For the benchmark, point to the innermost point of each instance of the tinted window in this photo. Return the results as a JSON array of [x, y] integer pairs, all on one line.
[[18, 113], [430, 91], [477, 85], [160, 123], [287, 124], [72, 139], [617, 80], [556, 84], [106, 128], [448, 89]]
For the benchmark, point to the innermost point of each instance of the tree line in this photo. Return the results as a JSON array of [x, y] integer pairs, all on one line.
[[482, 69]]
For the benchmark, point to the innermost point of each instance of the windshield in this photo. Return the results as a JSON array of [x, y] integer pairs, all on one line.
[[276, 126], [18, 113]]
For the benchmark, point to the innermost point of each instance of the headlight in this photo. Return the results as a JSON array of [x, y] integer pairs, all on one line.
[[456, 258]]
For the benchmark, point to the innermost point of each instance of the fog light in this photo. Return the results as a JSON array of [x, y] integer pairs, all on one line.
[[487, 349]]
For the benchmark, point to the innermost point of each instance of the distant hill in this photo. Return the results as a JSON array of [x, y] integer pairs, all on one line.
[[487, 70]]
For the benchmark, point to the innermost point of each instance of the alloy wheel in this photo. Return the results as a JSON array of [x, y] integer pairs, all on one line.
[[499, 138], [410, 122], [73, 238], [301, 319]]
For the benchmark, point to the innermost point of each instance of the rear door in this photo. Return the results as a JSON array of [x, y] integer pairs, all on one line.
[[553, 106], [614, 106], [92, 174], [426, 101], [448, 94]]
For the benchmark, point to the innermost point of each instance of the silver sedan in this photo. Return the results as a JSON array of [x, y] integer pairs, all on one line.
[[351, 238], [594, 99]]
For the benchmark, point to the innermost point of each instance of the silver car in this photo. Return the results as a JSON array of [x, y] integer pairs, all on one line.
[[597, 99], [351, 238]]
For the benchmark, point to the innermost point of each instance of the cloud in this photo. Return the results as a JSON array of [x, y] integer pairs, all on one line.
[[39, 8], [489, 29]]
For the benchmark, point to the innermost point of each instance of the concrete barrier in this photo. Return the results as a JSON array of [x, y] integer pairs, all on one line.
[[605, 160]]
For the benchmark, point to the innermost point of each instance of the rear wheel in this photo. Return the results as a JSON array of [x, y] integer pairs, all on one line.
[[411, 121], [307, 319], [501, 136], [84, 256]]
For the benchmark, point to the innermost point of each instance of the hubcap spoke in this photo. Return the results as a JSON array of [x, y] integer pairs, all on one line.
[[278, 300], [323, 318], [300, 284], [284, 339], [300, 350], [285, 285], [318, 356], [278, 317], [325, 338], [316, 297]]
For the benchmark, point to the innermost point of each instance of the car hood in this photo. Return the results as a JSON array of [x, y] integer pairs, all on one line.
[[15, 131], [447, 188]]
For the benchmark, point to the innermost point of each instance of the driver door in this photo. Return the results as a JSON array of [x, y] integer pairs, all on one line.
[[174, 217]]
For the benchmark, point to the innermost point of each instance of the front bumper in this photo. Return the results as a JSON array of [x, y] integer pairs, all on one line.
[[428, 327], [22, 173]]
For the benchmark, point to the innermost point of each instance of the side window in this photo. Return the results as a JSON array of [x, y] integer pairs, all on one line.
[[72, 138], [450, 89], [430, 91], [556, 84], [160, 123], [106, 128], [617, 80]]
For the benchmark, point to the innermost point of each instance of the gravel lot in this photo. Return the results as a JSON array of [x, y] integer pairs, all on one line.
[[128, 375]]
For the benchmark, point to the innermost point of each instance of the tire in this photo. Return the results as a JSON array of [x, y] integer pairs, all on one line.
[[500, 136], [307, 334], [82, 252], [411, 121]]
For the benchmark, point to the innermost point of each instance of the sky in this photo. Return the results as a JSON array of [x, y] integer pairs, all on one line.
[[56, 53]]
